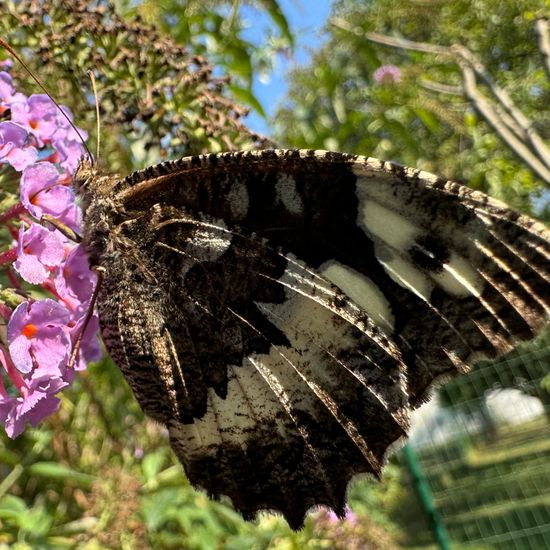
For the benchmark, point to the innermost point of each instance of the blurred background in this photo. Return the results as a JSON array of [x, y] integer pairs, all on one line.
[[459, 88]]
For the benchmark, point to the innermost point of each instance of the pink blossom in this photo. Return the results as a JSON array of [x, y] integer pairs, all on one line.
[[41, 193], [387, 74], [90, 349], [14, 147], [38, 250], [38, 336], [36, 402], [38, 115], [76, 281], [41, 334]]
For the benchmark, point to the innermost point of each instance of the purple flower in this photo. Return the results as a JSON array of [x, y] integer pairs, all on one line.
[[41, 334], [41, 193], [387, 74], [350, 516], [76, 281], [331, 516], [65, 132], [38, 249], [36, 402], [39, 115], [38, 337], [67, 142], [14, 148], [13, 374], [72, 217], [7, 92], [70, 153]]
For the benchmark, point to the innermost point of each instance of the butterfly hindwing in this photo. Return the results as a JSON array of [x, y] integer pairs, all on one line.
[[282, 311]]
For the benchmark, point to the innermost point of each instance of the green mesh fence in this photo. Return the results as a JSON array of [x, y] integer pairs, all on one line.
[[484, 449]]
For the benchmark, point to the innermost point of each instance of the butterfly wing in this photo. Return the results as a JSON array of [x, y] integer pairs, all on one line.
[[283, 311]]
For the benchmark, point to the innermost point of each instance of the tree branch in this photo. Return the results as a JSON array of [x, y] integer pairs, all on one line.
[[531, 135], [447, 89], [395, 42], [485, 108], [510, 124], [542, 28]]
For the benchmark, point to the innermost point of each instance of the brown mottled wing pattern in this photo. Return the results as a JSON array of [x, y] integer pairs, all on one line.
[[281, 312]]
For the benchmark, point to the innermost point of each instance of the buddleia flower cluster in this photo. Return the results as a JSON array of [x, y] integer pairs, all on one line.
[[46, 281]]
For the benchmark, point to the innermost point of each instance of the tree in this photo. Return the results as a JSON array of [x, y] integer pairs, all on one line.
[[157, 99], [442, 107], [217, 30]]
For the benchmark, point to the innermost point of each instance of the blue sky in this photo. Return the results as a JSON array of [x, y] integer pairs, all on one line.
[[306, 19]]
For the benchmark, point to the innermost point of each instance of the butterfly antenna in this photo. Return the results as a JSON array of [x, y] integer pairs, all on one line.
[[7, 47], [97, 117]]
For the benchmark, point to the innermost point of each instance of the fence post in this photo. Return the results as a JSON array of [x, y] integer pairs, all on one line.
[[425, 495]]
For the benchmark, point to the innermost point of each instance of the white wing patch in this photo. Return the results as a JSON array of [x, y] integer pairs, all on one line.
[[288, 195], [301, 377], [362, 291], [318, 335], [238, 200], [404, 273], [394, 235], [250, 402], [389, 226], [459, 277], [209, 245]]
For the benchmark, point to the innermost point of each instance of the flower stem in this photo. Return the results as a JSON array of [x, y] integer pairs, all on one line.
[[8, 256], [12, 212]]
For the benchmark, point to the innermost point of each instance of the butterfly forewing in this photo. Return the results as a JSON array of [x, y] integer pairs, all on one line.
[[282, 311]]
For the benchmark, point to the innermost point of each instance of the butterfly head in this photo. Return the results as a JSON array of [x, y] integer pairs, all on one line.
[[84, 176], [91, 182]]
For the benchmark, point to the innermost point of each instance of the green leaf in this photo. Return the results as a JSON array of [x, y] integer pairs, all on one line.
[[428, 118], [11, 507], [36, 521], [152, 464], [155, 507], [246, 96], [54, 470], [278, 17]]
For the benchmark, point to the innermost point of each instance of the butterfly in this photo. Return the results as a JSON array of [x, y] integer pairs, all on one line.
[[282, 312]]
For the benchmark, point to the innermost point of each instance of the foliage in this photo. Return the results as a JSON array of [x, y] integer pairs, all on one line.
[[165, 99], [217, 30], [424, 119]]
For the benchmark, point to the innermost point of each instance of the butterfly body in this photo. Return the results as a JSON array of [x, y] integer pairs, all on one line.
[[282, 312]]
